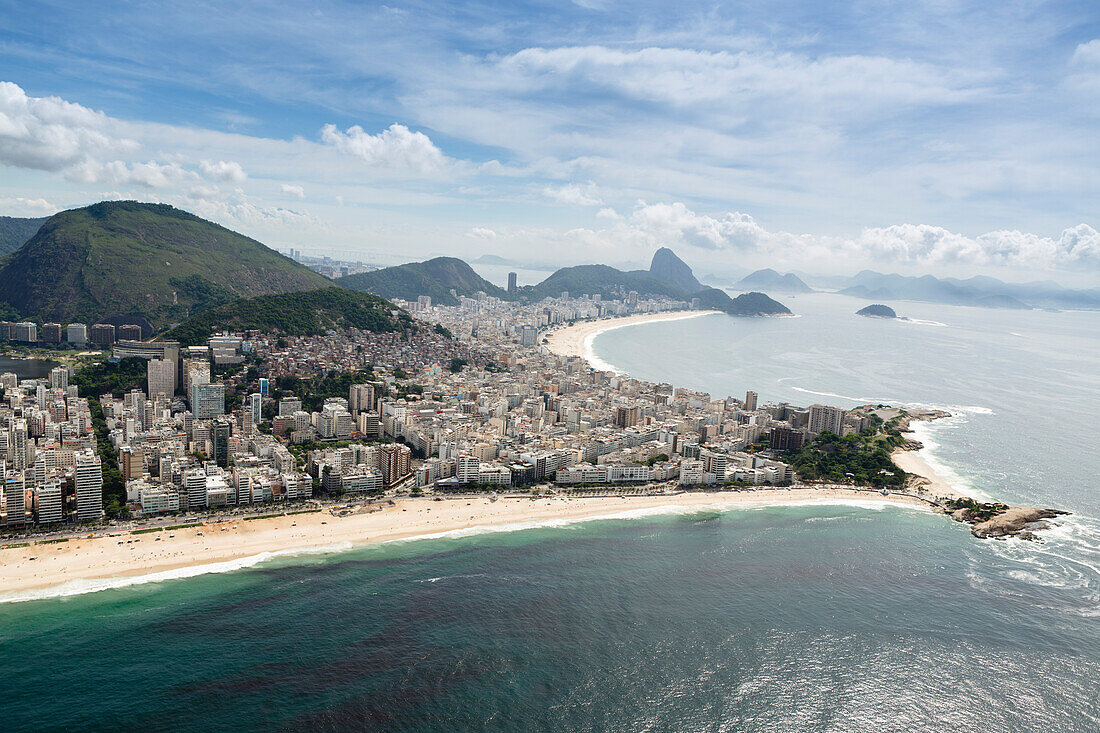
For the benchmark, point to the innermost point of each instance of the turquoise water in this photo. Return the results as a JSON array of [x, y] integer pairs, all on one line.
[[830, 618]]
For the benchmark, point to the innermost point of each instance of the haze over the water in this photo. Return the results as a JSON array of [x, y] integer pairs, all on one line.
[[952, 138]]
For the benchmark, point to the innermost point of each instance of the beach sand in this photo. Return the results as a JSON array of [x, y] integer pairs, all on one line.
[[80, 560], [576, 340], [911, 461]]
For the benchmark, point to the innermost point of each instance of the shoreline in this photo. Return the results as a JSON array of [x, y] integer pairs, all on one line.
[[78, 566], [576, 340]]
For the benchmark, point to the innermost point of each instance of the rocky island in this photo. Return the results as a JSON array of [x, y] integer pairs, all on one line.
[[998, 521], [877, 311]]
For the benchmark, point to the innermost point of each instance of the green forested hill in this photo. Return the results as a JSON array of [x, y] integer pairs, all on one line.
[[297, 314], [435, 277], [125, 258], [603, 280], [745, 304]]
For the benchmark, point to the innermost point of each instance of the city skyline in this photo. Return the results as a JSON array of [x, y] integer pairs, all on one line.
[[951, 139]]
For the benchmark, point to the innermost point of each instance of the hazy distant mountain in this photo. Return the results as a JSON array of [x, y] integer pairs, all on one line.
[[492, 260], [986, 292], [1039, 294], [15, 232], [769, 279], [669, 268], [137, 262], [436, 278]]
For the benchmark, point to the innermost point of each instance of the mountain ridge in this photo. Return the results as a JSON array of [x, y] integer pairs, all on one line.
[[435, 277], [769, 279]]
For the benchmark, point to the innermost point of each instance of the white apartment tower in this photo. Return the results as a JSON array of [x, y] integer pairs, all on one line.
[[89, 486], [15, 498]]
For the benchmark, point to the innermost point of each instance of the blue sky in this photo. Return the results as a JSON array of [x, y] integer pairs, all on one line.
[[948, 137]]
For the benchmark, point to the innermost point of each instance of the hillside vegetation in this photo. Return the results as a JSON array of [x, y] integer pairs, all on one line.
[[600, 280], [435, 278], [121, 259], [15, 231], [296, 314], [745, 304]]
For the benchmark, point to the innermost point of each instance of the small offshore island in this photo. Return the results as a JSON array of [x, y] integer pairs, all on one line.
[[877, 310], [323, 417]]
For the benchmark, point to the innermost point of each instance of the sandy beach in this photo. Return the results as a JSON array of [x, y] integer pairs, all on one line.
[[911, 461], [576, 340], [81, 565]]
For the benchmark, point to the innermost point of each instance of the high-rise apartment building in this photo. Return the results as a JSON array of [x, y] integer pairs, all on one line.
[[59, 377], [26, 331], [750, 400], [129, 332], [17, 446], [511, 282], [208, 401], [103, 334], [360, 398], [76, 334], [48, 499], [161, 378], [824, 417], [255, 404], [221, 442], [626, 417], [395, 461], [15, 497], [89, 486], [51, 333]]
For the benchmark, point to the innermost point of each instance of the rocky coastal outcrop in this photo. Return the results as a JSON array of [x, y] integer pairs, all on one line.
[[1000, 521]]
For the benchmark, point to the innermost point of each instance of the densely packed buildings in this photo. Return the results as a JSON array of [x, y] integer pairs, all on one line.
[[474, 400], [51, 469]]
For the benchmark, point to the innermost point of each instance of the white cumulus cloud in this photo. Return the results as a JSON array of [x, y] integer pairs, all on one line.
[[675, 224], [291, 190], [50, 134], [19, 206], [395, 147], [223, 170]]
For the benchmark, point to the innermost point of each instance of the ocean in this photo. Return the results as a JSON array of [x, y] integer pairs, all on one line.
[[800, 618]]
